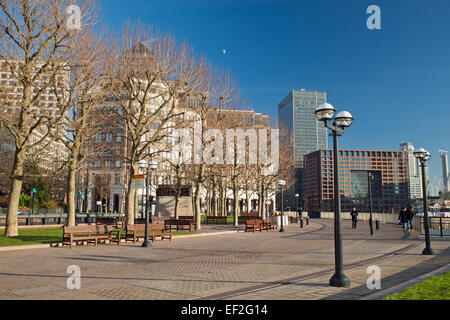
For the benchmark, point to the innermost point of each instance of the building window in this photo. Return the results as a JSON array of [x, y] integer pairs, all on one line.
[[98, 137], [96, 164], [118, 163]]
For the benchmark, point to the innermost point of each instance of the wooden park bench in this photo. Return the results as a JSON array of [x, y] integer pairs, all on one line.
[[90, 234], [216, 219], [252, 225], [267, 225], [180, 225], [191, 218], [246, 217], [136, 231], [115, 222]]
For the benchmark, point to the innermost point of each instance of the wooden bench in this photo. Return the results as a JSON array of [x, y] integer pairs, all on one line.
[[136, 231], [91, 234], [253, 225], [249, 217], [267, 225], [180, 225], [115, 222], [191, 218], [216, 219]]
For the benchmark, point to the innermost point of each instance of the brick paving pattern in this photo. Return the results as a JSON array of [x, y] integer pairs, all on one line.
[[294, 265]]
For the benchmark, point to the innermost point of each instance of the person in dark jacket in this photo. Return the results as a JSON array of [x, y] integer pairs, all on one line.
[[409, 218], [354, 215], [402, 218]]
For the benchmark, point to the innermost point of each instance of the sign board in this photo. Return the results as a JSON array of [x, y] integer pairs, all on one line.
[[99, 203], [138, 181]]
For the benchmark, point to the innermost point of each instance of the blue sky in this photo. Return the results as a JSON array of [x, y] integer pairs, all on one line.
[[395, 81]]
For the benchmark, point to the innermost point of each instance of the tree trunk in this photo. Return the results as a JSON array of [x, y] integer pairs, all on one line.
[[71, 197], [236, 203], [198, 212], [12, 228], [130, 199], [177, 201]]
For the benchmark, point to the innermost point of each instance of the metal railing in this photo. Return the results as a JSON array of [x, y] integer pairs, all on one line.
[[439, 226], [58, 218]]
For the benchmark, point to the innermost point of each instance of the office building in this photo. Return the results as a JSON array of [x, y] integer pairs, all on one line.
[[414, 171], [296, 114], [390, 186]]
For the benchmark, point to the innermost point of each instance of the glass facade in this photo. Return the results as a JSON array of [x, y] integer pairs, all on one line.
[[296, 112], [389, 188]]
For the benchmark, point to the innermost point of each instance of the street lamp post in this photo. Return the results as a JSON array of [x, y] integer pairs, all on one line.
[[281, 184], [298, 213], [152, 166], [369, 180], [423, 157], [325, 113]]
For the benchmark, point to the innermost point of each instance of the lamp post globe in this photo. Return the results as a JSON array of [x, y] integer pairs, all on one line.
[[343, 119], [423, 156], [325, 112]]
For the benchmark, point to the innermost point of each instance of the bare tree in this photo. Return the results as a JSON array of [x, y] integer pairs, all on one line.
[[216, 93], [266, 178], [150, 74], [34, 40], [87, 61]]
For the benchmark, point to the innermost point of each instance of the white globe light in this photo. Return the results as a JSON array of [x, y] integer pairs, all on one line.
[[343, 119], [142, 163], [421, 153], [153, 165], [325, 112]]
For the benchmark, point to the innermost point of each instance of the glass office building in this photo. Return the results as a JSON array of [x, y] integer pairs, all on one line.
[[296, 113], [390, 190]]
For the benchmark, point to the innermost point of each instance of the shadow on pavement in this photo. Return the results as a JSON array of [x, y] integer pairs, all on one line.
[[439, 260]]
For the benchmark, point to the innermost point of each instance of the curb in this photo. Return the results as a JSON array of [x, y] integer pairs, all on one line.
[[25, 247], [48, 245], [402, 286]]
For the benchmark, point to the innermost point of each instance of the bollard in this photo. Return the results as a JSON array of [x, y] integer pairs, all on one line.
[[301, 222], [307, 221], [377, 224]]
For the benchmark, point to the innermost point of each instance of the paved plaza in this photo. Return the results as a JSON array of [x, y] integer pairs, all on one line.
[[293, 265]]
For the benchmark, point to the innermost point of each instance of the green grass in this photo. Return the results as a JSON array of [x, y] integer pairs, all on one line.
[[435, 288], [32, 236], [47, 235]]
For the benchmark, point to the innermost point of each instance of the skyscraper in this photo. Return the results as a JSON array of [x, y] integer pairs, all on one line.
[[415, 176], [296, 113]]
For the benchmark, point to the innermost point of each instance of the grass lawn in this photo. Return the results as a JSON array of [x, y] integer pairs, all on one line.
[[47, 235], [435, 288]]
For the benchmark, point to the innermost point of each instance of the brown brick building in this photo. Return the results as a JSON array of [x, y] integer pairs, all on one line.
[[390, 189]]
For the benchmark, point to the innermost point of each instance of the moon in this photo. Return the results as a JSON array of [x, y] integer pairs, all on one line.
[[224, 51]]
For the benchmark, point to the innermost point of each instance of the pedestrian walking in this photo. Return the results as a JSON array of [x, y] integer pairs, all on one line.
[[354, 215], [403, 219], [409, 218]]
